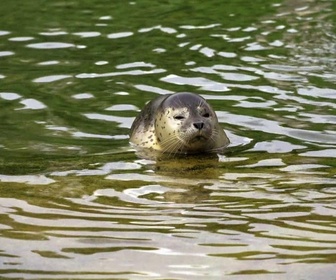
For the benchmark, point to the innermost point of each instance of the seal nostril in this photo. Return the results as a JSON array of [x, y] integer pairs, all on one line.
[[198, 125]]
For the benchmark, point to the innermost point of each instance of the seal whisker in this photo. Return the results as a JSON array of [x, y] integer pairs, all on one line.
[[171, 142], [172, 146], [214, 134]]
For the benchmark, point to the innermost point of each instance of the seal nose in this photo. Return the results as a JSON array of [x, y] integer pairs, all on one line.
[[198, 125]]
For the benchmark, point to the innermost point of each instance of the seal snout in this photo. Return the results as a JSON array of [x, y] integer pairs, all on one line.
[[198, 125]]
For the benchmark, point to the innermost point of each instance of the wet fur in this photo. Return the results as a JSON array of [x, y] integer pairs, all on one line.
[[157, 128]]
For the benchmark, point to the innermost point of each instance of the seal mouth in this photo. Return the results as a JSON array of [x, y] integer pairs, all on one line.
[[198, 138]]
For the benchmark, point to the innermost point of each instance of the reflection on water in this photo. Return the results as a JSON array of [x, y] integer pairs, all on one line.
[[76, 201]]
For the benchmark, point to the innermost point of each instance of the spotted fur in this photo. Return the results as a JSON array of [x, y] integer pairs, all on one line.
[[178, 123]]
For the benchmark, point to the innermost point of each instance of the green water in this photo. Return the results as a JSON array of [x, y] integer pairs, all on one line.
[[77, 202]]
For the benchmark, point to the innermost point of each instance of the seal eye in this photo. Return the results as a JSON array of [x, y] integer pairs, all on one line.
[[206, 115], [178, 117]]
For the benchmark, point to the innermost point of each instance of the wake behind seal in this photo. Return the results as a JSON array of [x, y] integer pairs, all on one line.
[[180, 123]]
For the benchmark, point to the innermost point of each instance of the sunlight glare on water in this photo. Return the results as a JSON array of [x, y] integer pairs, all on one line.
[[76, 200]]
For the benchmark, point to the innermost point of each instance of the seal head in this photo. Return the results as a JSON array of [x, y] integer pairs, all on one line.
[[179, 123]]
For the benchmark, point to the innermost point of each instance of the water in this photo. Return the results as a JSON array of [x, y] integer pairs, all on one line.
[[77, 202]]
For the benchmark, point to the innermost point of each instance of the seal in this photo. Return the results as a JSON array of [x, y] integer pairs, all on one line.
[[179, 123]]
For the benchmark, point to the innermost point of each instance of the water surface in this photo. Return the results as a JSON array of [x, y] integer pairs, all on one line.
[[76, 201]]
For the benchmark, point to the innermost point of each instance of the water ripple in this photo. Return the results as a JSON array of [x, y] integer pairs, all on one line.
[[119, 35], [51, 78], [79, 199], [50, 45], [112, 74]]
